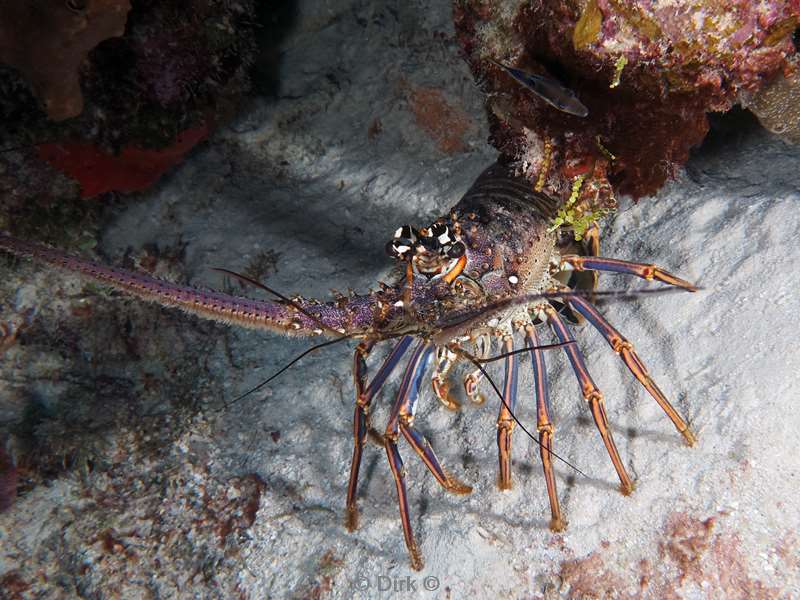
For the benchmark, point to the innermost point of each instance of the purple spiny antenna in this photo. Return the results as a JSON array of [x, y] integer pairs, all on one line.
[[312, 320]]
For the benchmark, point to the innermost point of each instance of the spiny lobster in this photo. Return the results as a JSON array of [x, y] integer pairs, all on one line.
[[491, 268]]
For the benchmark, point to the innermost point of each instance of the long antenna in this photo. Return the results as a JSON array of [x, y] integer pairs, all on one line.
[[520, 351], [280, 296], [467, 315]]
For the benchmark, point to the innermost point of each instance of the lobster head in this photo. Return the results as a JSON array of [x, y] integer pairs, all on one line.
[[432, 251]]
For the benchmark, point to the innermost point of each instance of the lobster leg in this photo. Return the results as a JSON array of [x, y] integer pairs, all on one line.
[[401, 420], [624, 348], [402, 409], [592, 395], [648, 272], [364, 395], [399, 473], [543, 425], [505, 422], [425, 452], [360, 427]]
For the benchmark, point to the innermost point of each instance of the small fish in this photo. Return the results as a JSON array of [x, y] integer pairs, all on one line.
[[549, 90]]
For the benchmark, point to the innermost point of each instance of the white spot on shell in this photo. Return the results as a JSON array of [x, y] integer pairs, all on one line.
[[513, 280], [398, 304], [494, 322]]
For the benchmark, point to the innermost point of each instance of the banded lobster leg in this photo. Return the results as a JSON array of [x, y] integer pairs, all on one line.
[[543, 424], [648, 272], [364, 395], [625, 350], [505, 422], [401, 420], [591, 393]]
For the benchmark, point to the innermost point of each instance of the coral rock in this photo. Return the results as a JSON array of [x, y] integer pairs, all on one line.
[[777, 107], [649, 72], [8, 480], [48, 40]]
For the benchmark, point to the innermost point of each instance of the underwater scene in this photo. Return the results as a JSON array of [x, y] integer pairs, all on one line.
[[399, 299]]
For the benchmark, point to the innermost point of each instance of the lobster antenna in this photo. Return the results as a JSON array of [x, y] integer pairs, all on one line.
[[282, 370], [523, 350], [475, 362], [280, 296], [616, 295]]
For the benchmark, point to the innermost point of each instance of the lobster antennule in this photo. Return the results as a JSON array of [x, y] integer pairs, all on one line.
[[313, 320]]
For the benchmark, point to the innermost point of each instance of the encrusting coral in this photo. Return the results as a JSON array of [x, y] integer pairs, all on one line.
[[777, 107], [648, 72]]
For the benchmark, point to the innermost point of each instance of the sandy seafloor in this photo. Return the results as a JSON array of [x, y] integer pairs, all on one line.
[[168, 498]]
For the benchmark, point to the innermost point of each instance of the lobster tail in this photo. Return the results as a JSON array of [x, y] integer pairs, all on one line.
[[301, 318]]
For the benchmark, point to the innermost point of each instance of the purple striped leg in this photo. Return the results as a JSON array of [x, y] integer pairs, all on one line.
[[592, 395], [364, 395], [648, 272], [505, 422], [543, 425], [400, 421], [624, 348]]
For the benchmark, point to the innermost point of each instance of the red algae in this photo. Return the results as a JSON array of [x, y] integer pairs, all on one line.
[[133, 169]]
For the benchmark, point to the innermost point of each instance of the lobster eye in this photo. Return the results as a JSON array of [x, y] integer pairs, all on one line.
[[402, 245], [399, 249], [441, 233], [456, 250]]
